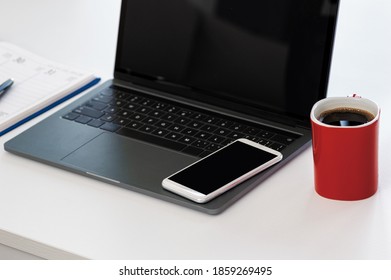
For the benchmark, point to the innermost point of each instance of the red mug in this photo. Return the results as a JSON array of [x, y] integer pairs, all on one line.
[[345, 152]]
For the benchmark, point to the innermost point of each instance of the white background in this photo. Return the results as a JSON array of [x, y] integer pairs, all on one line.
[[55, 214]]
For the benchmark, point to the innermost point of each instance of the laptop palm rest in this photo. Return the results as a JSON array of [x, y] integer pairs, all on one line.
[[130, 163]]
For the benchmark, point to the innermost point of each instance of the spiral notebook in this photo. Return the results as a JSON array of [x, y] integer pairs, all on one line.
[[39, 85]]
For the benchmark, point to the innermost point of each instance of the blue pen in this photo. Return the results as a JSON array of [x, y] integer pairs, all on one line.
[[5, 86]]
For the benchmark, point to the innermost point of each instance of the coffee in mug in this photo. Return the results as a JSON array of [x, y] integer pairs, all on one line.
[[346, 116]]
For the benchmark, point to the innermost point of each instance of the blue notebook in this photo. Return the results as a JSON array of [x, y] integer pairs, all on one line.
[[39, 85]]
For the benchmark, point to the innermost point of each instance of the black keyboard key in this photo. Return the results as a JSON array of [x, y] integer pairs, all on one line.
[[134, 125], [286, 140], [121, 121], [253, 138], [203, 135], [252, 130], [177, 127], [135, 99], [173, 136], [189, 131], [96, 123], [160, 132], [199, 117], [103, 98], [265, 142], [131, 107], [83, 119], [222, 131], [122, 95], [159, 106], [147, 102], [144, 110], [147, 128], [157, 113], [216, 139], [195, 124], [89, 112], [182, 120], [277, 146], [96, 105], [151, 139], [112, 109], [235, 135], [108, 118], [194, 151], [169, 117], [209, 128], [110, 127], [171, 109], [124, 114], [187, 140], [185, 113], [213, 147], [137, 117], [71, 116], [265, 134], [211, 120], [238, 127], [119, 103], [224, 123], [151, 120], [163, 124], [200, 144], [108, 92]]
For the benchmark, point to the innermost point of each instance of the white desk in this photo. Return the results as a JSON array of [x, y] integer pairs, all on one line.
[[52, 213]]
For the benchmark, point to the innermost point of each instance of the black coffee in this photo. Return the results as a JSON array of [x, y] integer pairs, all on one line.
[[346, 117]]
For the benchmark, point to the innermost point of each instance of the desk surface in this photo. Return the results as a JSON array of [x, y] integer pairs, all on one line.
[[52, 213]]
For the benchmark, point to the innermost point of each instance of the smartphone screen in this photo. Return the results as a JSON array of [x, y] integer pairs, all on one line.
[[231, 164]]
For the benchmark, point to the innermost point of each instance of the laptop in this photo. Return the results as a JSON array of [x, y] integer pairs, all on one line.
[[190, 77]]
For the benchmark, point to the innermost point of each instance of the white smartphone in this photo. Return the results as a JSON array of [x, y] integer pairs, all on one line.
[[222, 170]]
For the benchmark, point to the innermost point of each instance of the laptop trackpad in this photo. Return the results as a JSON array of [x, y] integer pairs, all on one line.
[[127, 161]]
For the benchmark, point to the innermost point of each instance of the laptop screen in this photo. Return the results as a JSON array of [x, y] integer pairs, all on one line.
[[250, 55]]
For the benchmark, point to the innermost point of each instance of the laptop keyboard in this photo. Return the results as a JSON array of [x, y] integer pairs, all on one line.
[[175, 126]]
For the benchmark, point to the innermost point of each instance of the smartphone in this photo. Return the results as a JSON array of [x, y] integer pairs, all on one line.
[[222, 170]]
